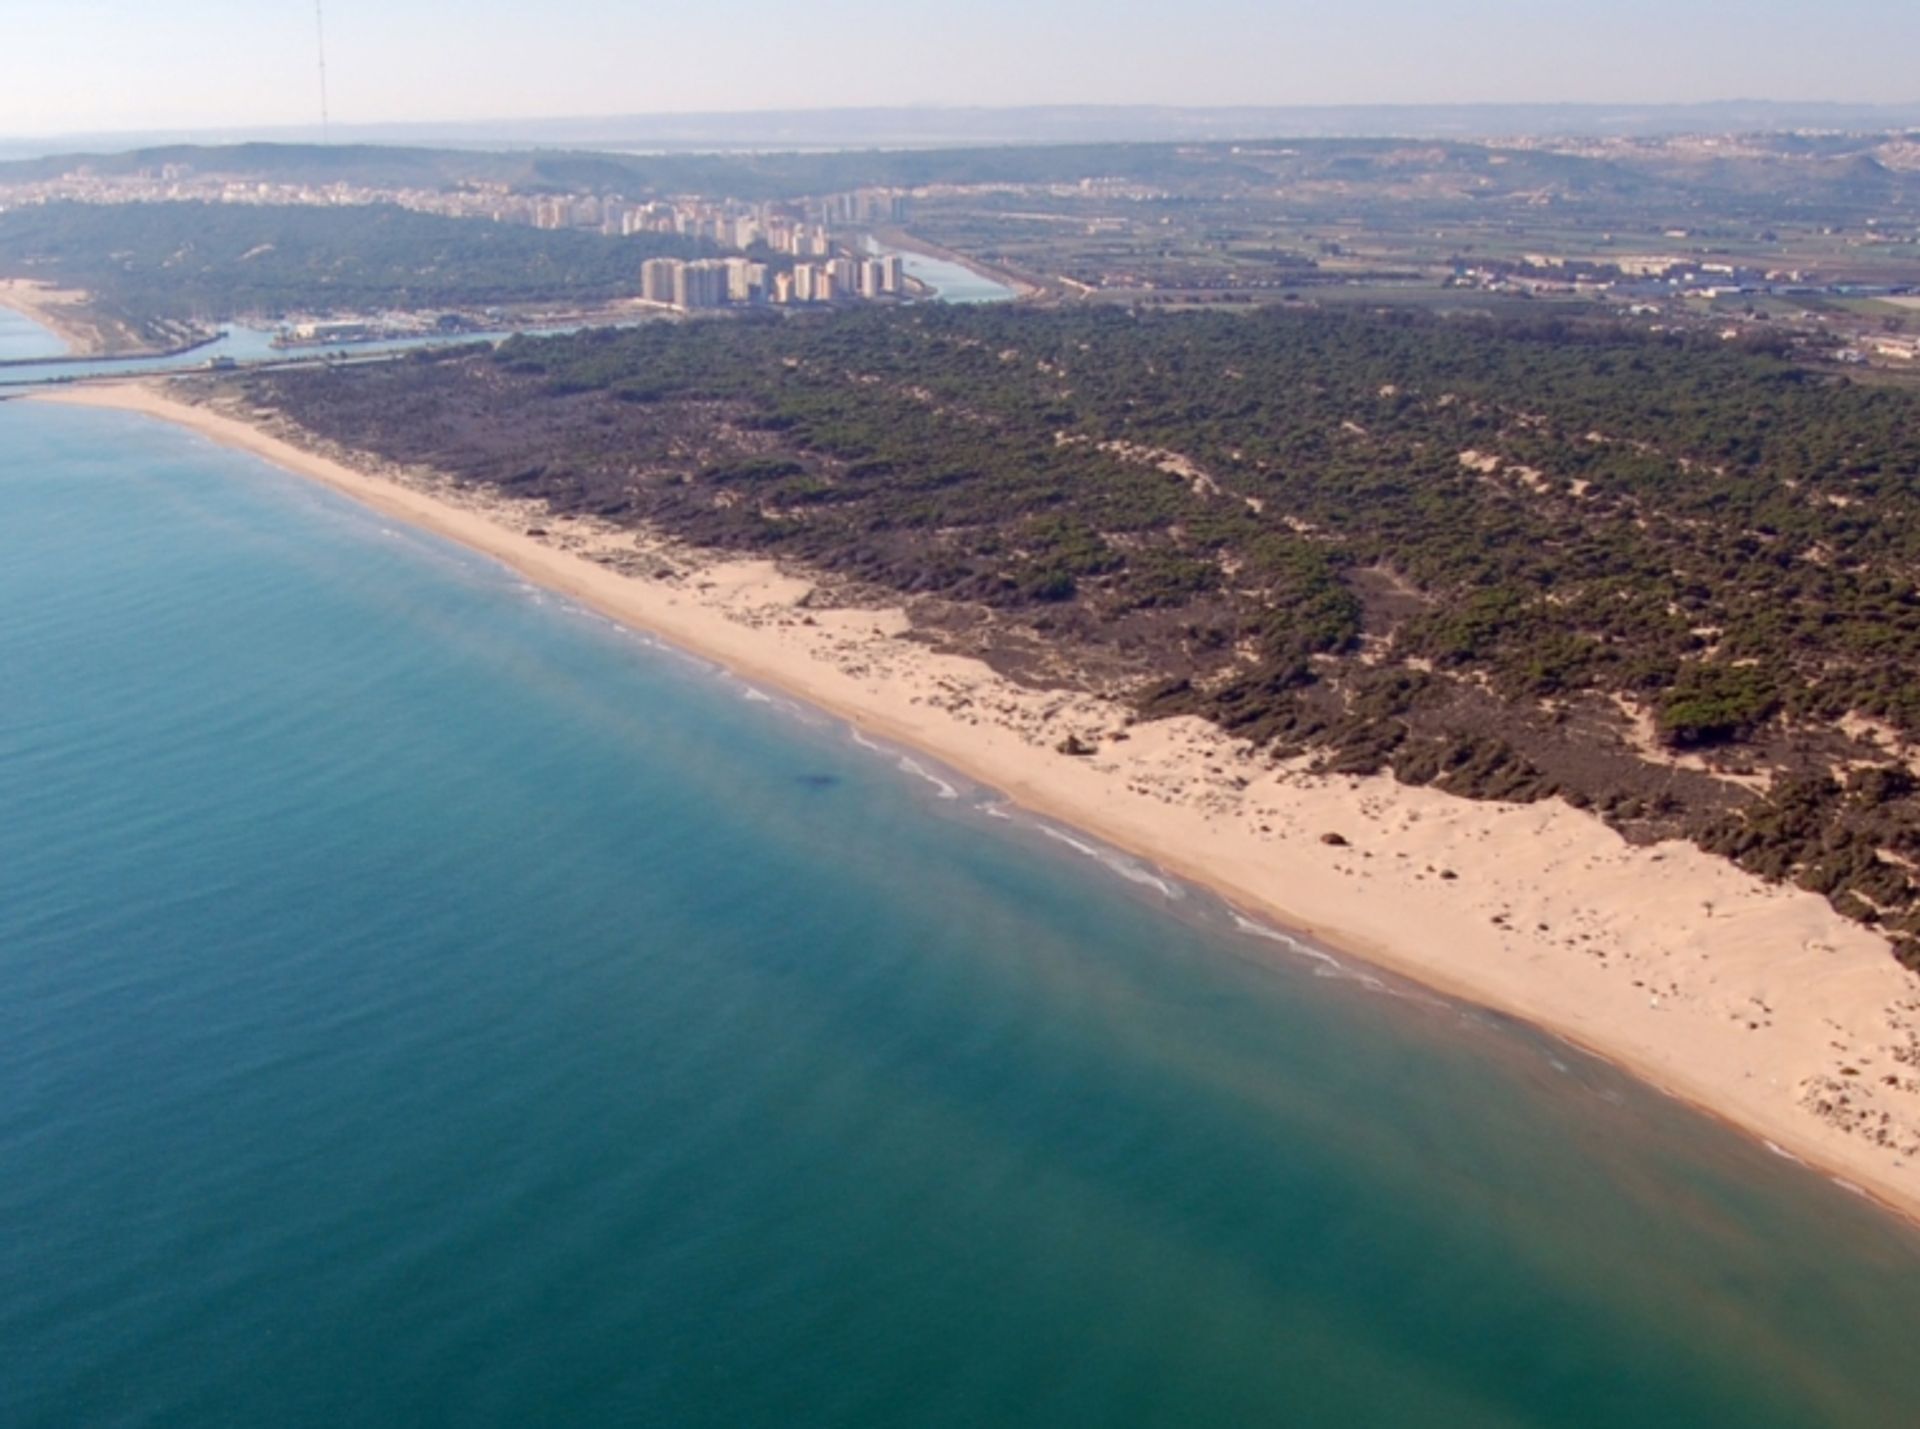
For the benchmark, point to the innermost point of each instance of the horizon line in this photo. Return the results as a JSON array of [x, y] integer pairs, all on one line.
[[932, 109]]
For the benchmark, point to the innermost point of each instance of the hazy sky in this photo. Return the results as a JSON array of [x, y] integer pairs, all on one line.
[[71, 65]]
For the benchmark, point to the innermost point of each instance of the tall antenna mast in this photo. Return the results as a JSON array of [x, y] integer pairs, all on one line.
[[320, 34]]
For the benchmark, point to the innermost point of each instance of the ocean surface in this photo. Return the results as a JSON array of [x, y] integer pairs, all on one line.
[[22, 339], [422, 1002]]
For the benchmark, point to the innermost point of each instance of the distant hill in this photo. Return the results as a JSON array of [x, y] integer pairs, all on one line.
[[952, 127], [1759, 174]]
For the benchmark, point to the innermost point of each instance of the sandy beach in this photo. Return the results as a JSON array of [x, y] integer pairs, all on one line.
[[61, 311], [1756, 1003]]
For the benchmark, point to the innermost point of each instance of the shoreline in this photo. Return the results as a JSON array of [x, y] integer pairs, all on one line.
[[1755, 1004], [31, 301], [61, 312]]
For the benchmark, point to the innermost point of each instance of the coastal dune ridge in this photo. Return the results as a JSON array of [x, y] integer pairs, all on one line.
[[1756, 1003]]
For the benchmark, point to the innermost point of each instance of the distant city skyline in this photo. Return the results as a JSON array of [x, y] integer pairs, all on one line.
[[126, 65]]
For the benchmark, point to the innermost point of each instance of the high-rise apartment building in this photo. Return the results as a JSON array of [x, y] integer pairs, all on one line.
[[657, 279], [700, 285]]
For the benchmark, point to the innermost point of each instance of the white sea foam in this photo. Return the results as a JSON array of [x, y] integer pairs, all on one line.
[[1330, 966], [1327, 965], [909, 765], [1335, 968], [1778, 1150], [906, 764], [1261, 930], [1274, 935], [1114, 862]]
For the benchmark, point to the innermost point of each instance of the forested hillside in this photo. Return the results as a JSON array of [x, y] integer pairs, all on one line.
[[1834, 176], [213, 261], [1663, 578]]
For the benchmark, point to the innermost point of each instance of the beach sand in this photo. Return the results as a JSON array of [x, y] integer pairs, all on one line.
[[61, 311], [1754, 1002]]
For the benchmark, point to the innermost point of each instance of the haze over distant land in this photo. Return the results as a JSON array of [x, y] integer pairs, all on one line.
[[90, 65], [933, 126]]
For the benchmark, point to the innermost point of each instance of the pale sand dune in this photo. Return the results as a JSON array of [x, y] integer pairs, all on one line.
[[60, 311], [1757, 1003]]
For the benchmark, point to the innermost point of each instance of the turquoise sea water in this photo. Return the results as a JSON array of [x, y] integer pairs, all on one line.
[[421, 1002], [21, 339]]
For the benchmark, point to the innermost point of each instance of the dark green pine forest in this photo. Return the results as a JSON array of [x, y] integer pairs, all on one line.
[[1512, 560], [207, 262]]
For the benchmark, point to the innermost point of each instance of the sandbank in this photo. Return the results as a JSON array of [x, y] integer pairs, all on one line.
[[61, 311]]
